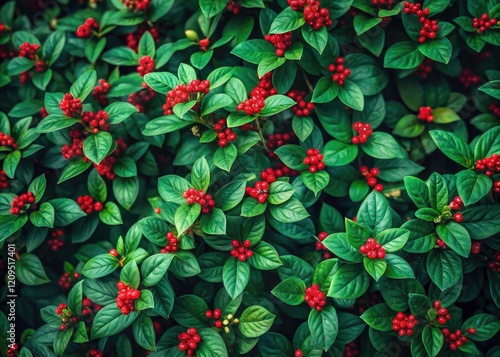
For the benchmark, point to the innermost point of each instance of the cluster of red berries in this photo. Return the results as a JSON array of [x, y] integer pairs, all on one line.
[[457, 203], [483, 23], [361, 304], [28, 50], [171, 245], [6, 53], [285, 169], [141, 98], [89, 307], [315, 298], [95, 353], [76, 148], [4, 180], [96, 121], [88, 205], [13, 350], [66, 281], [372, 249], [383, 4], [40, 66], [71, 107], [7, 141], [494, 109], [468, 78], [19, 202], [216, 314], [255, 103], [56, 242], [204, 43], [351, 349], [489, 164], [233, 6], [364, 132], [302, 108], [424, 69], [137, 5], [241, 251], [274, 141], [189, 341], [456, 339], [24, 77], [260, 191], [340, 73], [203, 199], [105, 168], [251, 106], [100, 92], [269, 175], [296, 5], [425, 114], [183, 93], [126, 298], [281, 42], [224, 134], [404, 324], [66, 316], [371, 177], [495, 264], [146, 65], [316, 16], [133, 38], [475, 247], [321, 247], [85, 30], [314, 159], [442, 313], [429, 27], [440, 243]]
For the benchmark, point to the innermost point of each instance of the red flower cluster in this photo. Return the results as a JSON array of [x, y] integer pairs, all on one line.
[[315, 298], [56, 242], [28, 50], [364, 132], [146, 65], [495, 264], [189, 341], [141, 98], [126, 298], [204, 43], [137, 5], [96, 121], [475, 247], [183, 93], [456, 339], [429, 27], [351, 349], [133, 38], [281, 42], [204, 200], [315, 160], [425, 114], [224, 134], [171, 245], [7, 141], [233, 6], [71, 107], [404, 324], [371, 177], [339, 70], [216, 315], [372, 249], [483, 23], [316, 16], [105, 168], [88, 205], [4, 180], [100, 92], [274, 141], [468, 78], [302, 108], [269, 175], [259, 191], [321, 247], [424, 69], [494, 109], [442, 313], [241, 251], [19, 202], [85, 30], [491, 165], [76, 148], [66, 281]]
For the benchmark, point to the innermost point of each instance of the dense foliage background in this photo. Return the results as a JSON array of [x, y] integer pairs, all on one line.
[[250, 177]]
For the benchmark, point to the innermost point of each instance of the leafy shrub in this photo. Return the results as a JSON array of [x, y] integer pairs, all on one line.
[[250, 177]]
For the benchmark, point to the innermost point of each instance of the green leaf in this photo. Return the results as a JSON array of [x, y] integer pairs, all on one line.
[[269, 64], [214, 222], [200, 174], [287, 20], [409, 126], [403, 55], [11, 162], [235, 276], [292, 156], [481, 222], [393, 240], [375, 213], [264, 257], [290, 211], [418, 191], [255, 321], [97, 187], [54, 122], [315, 181], [438, 50], [224, 157], [253, 51], [349, 282], [382, 145], [30, 271], [438, 191], [444, 268], [110, 214], [61, 341], [486, 326], [154, 268], [276, 104], [110, 321], [144, 332], [215, 102], [213, 344], [338, 153], [398, 268], [172, 187], [121, 56], [302, 127], [488, 144], [84, 85], [230, 195], [185, 216], [444, 115], [291, 291], [145, 301], [472, 187], [453, 147], [356, 233], [375, 267], [350, 94], [118, 112], [100, 265], [161, 82], [325, 90], [456, 237], [491, 88], [97, 146], [44, 217], [280, 192], [74, 168], [324, 326], [210, 8], [379, 317], [433, 340], [341, 247], [318, 39], [363, 23]]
